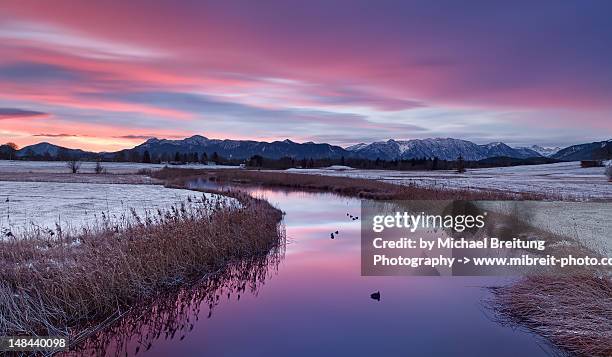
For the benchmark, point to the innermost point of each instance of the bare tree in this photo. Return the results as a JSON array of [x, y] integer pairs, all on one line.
[[99, 169], [74, 165]]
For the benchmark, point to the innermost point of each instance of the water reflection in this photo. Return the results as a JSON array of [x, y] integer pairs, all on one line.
[[174, 315]]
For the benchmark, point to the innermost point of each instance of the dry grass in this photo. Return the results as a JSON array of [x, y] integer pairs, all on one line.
[[78, 178], [572, 312], [174, 314], [355, 187], [54, 283]]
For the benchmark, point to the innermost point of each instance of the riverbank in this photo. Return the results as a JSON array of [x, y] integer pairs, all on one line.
[[574, 313], [67, 283], [347, 186]]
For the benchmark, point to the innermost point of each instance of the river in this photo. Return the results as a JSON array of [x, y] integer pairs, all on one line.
[[314, 302]]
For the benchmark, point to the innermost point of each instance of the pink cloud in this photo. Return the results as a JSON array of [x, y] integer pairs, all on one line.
[[318, 56]]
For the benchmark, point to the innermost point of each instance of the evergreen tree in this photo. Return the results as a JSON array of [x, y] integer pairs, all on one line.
[[146, 157], [460, 164]]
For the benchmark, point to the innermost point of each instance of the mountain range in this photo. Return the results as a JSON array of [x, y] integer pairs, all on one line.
[[600, 150], [442, 148]]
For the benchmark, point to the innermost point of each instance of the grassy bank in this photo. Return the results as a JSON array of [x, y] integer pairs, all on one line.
[[58, 283], [355, 187], [174, 314], [573, 312]]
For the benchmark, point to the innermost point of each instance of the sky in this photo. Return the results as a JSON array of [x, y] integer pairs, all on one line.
[[106, 75]]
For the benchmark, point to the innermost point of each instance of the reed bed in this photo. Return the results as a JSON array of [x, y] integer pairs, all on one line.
[[58, 283], [348, 186], [574, 313], [174, 314]]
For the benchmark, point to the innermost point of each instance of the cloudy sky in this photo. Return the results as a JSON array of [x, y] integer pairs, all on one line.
[[108, 74]]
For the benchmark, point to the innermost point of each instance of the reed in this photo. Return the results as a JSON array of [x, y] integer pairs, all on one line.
[[63, 283], [574, 313]]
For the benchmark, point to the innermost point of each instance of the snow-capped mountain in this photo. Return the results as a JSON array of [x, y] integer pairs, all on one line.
[[544, 151], [527, 152], [499, 149], [442, 148], [599, 150]]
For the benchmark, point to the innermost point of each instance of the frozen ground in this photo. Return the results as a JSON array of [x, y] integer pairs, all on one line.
[[78, 178], [587, 222], [566, 179], [17, 166], [75, 204]]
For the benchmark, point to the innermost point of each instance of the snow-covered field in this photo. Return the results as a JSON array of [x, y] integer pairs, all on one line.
[[75, 204], [587, 222], [566, 179], [72, 204], [16, 166]]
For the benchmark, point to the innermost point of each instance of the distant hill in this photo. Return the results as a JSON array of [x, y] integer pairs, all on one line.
[[600, 150], [239, 149], [46, 150]]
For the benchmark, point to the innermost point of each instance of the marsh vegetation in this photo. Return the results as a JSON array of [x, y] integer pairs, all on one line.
[[69, 283], [347, 186]]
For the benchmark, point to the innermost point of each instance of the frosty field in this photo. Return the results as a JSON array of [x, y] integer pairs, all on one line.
[[73, 204], [566, 179], [87, 195], [87, 167]]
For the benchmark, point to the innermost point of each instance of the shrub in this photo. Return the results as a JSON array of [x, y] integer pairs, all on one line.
[[99, 169], [74, 166]]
